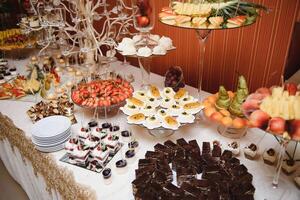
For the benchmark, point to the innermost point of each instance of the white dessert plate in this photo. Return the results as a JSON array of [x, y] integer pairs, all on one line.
[[51, 127]]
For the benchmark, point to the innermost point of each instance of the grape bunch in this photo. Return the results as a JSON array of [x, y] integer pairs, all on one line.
[[174, 78]]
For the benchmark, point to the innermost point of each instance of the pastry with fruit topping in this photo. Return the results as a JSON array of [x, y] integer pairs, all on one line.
[[269, 156], [91, 142], [80, 154], [84, 132], [71, 144], [251, 151], [289, 167]]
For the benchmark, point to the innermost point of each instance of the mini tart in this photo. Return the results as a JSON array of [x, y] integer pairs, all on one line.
[[135, 101], [152, 122], [153, 101], [141, 95], [289, 167], [130, 109], [174, 110], [154, 92], [234, 147], [162, 113], [269, 156], [148, 110], [181, 93], [170, 122], [136, 118], [186, 118], [167, 102], [168, 93], [250, 151], [192, 108]]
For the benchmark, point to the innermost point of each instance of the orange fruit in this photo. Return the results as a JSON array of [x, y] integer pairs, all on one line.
[[239, 123], [226, 121], [216, 117], [224, 112], [209, 111]]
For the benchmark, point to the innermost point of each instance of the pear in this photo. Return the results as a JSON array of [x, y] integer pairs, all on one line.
[[223, 100]]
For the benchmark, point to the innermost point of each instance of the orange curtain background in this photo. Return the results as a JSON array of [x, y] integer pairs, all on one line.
[[259, 52]]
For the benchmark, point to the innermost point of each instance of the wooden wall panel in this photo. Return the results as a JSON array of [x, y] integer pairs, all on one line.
[[259, 51]]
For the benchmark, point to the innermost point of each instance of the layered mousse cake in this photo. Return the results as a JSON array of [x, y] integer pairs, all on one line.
[[100, 153], [269, 156], [223, 177]]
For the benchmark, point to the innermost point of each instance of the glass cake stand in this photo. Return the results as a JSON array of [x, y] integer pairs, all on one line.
[[202, 36]]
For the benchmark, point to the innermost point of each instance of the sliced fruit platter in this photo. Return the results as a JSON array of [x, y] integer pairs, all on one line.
[[213, 14], [275, 110], [100, 93], [165, 108], [225, 107]]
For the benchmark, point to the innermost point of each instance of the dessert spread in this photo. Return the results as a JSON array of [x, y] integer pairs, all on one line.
[[223, 177]]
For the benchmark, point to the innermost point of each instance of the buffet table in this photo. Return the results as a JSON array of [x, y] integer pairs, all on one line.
[[87, 184]]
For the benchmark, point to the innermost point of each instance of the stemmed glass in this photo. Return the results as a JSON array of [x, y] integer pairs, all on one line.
[[112, 33], [144, 18]]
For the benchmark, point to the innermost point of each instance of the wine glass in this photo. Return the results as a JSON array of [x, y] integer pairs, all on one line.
[[144, 18]]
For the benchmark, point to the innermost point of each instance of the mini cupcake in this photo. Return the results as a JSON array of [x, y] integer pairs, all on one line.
[[174, 110], [167, 102], [269, 156], [251, 151], [152, 122], [130, 109], [186, 118], [148, 110], [168, 93], [153, 102], [141, 95], [289, 167]]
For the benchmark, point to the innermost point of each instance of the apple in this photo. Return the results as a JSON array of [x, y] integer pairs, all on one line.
[[250, 104], [239, 123], [264, 91], [277, 125], [259, 119], [216, 117], [226, 121], [294, 129], [143, 21], [291, 88]]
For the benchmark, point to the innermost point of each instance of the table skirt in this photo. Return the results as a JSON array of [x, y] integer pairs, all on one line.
[[36, 172]]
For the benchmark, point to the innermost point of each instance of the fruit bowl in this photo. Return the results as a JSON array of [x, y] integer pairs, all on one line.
[[275, 110], [224, 108], [104, 95]]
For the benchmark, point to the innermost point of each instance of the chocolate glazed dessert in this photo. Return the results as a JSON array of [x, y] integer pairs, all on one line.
[[222, 175]]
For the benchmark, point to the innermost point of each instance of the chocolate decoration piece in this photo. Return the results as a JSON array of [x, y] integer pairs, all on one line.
[[121, 163], [125, 134], [106, 125], [106, 173], [114, 128], [93, 124], [130, 153]]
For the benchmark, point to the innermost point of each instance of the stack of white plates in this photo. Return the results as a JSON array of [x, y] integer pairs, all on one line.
[[51, 133]]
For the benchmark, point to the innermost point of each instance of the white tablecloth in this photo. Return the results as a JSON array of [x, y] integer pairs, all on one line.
[[121, 188]]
